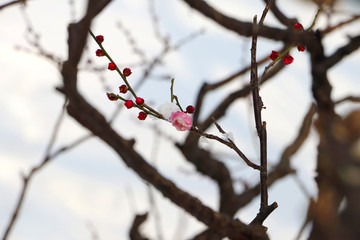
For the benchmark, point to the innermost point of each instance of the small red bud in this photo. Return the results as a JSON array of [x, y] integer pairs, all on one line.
[[274, 55], [112, 66], [300, 48], [298, 27], [99, 53], [139, 101], [129, 104], [112, 96], [123, 88], [287, 59], [142, 115], [99, 38], [190, 109], [127, 72]]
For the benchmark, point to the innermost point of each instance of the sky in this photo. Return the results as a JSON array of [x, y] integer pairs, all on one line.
[[87, 190]]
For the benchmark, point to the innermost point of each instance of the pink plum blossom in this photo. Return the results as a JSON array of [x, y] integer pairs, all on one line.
[[181, 121]]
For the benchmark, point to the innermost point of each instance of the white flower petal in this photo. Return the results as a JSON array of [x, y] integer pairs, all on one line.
[[168, 108]]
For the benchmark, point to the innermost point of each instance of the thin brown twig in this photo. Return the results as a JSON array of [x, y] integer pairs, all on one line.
[[339, 25], [167, 49], [282, 168], [156, 26], [33, 39], [222, 106], [207, 87], [265, 11], [260, 126], [155, 212], [348, 98], [228, 142], [132, 43], [265, 209], [233, 146], [34, 170], [12, 3], [272, 64], [280, 15]]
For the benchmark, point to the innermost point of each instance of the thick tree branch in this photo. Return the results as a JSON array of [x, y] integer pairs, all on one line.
[[342, 52], [245, 28], [333, 155], [214, 169], [135, 231], [280, 15]]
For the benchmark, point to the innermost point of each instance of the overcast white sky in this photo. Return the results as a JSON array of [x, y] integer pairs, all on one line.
[[88, 189]]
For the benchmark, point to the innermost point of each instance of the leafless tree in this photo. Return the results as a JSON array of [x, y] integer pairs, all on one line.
[[338, 158]]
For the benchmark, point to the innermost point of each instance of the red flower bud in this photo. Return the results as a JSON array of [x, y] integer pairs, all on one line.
[[139, 101], [112, 66], [274, 55], [298, 27], [127, 72], [112, 96], [300, 48], [99, 38], [123, 88], [190, 109], [99, 53], [142, 115], [287, 59], [129, 104]]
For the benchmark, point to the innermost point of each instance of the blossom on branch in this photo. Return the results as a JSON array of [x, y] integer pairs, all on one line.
[[298, 27], [274, 55], [287, 59], [129, 104], [112, 66], [127, 72], [112, 96], [99, 38], [142, 116], [99, 53], [300, 48], [190, 109], [181, 121], [139, 101], [123, 88]]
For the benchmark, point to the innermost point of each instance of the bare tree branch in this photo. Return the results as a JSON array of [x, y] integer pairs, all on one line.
[[12, 3], [340, 53], [280, 15], [339, 25], [34, 170], [240, 27], [134, 231], [282, 168]]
